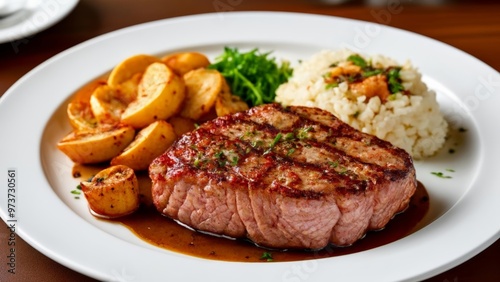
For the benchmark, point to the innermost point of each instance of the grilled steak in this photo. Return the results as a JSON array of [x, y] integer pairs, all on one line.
[[283, 177]]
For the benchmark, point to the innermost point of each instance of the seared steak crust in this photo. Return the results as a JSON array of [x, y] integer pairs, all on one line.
[[293, 177]]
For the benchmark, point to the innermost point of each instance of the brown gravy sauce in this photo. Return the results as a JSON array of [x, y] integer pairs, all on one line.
[[152, 227]]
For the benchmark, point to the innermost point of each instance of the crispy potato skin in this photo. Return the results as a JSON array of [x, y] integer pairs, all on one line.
[[95, 146], [112, 192], [160, 95], [148, 144]]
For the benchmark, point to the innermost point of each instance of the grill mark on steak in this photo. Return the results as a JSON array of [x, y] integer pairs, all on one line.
[[298, 175], [261, 136]]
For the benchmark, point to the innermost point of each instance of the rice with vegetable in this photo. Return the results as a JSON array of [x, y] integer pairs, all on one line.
[[372, 94]]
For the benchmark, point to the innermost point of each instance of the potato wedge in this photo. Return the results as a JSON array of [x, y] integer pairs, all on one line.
[[161, 94], [129, 89], [95, 146], [227, 103], [78, 110], [129, 67], [203, 86], [112, 192], [80, 115], [182, 125], [148, 144], [182, 63], [108, 104]]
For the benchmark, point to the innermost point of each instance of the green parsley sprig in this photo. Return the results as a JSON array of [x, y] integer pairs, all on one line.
[[252, 75]]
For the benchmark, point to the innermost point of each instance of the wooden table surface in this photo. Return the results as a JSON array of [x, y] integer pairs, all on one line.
[[472, 26]]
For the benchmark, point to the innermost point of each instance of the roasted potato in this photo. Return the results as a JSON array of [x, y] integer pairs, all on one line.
[[129, 88], [112, 192], [148, 144], [129, 67], [80, 115], [182, 125], [160, 95], [95, 146], [78, 110], [227, 103], [203, 86], [182, 63], [108, 104]]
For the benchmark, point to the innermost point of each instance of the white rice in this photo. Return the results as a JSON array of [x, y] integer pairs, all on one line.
[[412, 122]]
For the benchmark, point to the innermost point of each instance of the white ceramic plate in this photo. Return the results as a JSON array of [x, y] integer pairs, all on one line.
[[457, 227], [36, 16]]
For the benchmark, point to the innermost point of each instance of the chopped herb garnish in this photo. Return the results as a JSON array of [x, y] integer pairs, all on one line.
[[275, 141], [357, 60], [368, 73], [333, 164], [250, 133], [450, 170], [303, 132], [76, 192], [343, 171], [290, 152], [198, 160], [394, 80], [256, 143], [234, 160], [331, 85], [289, 136], [267, 256], [220, 160], [440, 174], [79, 187]]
